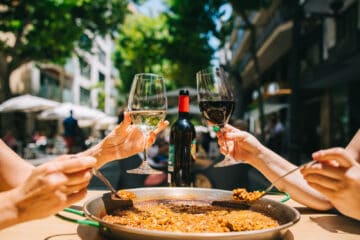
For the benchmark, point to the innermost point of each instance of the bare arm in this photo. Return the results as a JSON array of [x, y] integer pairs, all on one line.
[[13, 169], [354, 147], [244, 146], [337, 176], [272, 166]]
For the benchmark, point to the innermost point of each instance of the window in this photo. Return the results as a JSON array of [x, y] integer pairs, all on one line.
[[346, 31], [85, 68], [84, 96], [101, 77], [49, 86], [102, 56]]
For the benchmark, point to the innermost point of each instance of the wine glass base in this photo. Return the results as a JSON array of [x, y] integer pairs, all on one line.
[[227, 161], [145, 169]]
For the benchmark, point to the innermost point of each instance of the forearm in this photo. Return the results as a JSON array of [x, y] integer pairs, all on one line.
[[97, 152], [9, 212], [354, 147], [13, 169], [272, 166]]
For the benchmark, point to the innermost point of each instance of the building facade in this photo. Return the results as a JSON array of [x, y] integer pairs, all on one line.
[[302, 58], [86, 79]]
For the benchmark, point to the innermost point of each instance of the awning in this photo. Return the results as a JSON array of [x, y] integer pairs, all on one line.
[[79, 112], [27, 103], [276, 45]]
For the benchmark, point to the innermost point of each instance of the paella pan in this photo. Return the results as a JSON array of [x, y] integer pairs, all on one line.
[[96, 208]]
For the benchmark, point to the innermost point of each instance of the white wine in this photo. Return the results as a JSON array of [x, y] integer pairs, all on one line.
[[147, 120]]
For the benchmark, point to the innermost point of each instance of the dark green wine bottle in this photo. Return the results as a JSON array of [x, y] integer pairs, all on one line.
[[182, 147]]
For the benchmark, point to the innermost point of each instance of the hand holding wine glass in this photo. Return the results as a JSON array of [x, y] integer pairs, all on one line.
[[216, 101], [147, 107]]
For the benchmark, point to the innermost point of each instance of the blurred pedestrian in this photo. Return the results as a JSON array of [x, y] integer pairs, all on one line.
[[274, 134], [72, 132], [10, 140]]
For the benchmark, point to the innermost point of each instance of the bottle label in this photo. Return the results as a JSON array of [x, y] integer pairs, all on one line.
[[171, 158]]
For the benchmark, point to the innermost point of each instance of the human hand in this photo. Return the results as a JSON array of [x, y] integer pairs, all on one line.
[[52, 186], [337, 176], [124, 141], [240, 144]]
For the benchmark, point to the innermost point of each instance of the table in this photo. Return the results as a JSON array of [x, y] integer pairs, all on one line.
[[312, 225]]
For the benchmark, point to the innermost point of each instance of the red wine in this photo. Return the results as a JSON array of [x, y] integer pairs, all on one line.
[[182, 146], [217, 112]]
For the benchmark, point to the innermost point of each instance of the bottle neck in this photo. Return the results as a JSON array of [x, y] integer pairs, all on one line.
[[184, 106], [182, 115]]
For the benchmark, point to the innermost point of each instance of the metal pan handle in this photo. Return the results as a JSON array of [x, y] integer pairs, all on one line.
[[284, 199], [78, 221]]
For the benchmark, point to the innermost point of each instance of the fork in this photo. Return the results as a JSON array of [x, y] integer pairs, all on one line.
[[268, 189]]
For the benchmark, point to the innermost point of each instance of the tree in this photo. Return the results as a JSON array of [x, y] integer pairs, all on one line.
[[140, 48], [175, 43], [191, 24], [48, 30]]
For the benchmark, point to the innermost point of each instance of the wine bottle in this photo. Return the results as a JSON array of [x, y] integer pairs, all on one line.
[[182, 148]]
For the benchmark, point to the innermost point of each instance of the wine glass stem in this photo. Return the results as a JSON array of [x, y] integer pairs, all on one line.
[[145, 149]]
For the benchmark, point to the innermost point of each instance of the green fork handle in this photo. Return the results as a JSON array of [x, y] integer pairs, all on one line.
[[78, 221]]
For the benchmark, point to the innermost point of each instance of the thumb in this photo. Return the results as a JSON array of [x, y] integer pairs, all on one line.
[[124, 124]]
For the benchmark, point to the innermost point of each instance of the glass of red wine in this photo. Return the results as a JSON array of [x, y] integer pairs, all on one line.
[[147, 106], [216, 101]]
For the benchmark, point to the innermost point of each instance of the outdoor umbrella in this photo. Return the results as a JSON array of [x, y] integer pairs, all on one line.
[[27, 103], [79, 112]]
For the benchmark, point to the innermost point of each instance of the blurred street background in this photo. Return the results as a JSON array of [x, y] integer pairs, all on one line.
[[293, 66]]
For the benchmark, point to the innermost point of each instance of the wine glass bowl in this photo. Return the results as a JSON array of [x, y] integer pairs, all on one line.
[[216, 101], [147, 106]]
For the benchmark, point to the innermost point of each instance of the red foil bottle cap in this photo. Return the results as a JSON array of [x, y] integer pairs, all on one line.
[[184, 101]]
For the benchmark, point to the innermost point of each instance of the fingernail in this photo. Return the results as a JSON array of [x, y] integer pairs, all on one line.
[[216, 128]]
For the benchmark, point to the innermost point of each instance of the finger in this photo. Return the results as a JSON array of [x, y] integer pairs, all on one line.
[[240, 135], [75, 197], [230, 128], [74, 188], [121, 128], [326, 191], [162, 125], [51, 181], [74, 164], [325, 170], [78, 177], [152, 135], [324, 181], [340, 155]]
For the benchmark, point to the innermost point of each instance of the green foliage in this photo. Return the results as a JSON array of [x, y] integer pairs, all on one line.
[[175, 44], [100, 86], [140, 48], [48, 30], [191, 24]]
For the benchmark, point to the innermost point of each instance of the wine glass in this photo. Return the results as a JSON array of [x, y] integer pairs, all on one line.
[[216, 102], [147, 106]]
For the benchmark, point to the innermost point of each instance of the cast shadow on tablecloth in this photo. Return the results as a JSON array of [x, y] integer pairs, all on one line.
[[288, 235], [89, 233], [60, 236], [337, 224]]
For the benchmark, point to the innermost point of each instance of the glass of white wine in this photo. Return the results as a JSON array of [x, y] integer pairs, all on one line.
[[147, 106]]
